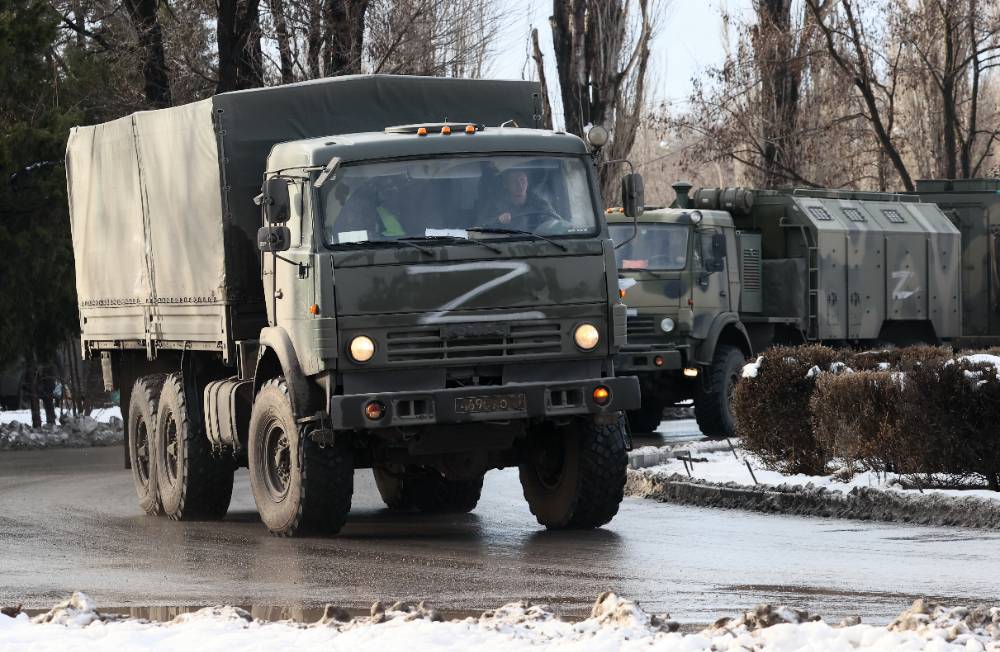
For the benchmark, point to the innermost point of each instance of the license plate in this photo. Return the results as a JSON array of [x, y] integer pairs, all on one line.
[[492, 403]]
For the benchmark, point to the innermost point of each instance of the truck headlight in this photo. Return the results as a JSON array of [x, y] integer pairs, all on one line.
[[586, 336], [362, 348], [667, 324]]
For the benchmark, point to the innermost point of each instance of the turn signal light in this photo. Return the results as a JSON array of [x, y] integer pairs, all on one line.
[[314, 309], [691, 372], [621, 294], [602, 395], [422, 131], [374, 410]]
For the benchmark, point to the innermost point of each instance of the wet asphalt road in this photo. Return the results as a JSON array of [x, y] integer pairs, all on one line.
[[69, 520]]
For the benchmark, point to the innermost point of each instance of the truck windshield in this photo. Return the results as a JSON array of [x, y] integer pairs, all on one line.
[[655, 246], [446, 198]]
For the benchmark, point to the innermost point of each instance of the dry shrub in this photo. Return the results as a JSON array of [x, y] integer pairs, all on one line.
[[855, 417], [772, 410], [949, 420]]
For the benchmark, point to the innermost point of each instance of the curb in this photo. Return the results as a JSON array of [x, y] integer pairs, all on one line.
[[863, 503], [642, 458]]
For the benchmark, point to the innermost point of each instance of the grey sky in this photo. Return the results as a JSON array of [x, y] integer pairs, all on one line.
[[689, 40]]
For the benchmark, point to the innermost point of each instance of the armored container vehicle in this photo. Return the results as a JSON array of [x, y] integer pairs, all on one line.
[[728, 272], [974, 206], [321, 277]]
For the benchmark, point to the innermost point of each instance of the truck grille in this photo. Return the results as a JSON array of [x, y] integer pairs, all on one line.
[[431, 344], [641, 325]]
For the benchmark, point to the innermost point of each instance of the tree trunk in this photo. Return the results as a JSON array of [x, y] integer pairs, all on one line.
[[779, 89], [284, 41], [345, 30], [241, 60], [31, 376], [536, 55], [156, 81], [568, 41]]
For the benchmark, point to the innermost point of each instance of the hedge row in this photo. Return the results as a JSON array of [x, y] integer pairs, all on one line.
[[919, 410]]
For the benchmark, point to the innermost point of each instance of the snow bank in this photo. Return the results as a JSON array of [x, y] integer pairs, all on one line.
[[615, 624], [101, 415], [724, 467], [72, 432]]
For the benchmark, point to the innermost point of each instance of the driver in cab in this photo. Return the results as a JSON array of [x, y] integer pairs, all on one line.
[[516, 206]]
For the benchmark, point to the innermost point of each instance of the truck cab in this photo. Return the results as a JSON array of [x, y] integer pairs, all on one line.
[[441, 325], [679, 273]]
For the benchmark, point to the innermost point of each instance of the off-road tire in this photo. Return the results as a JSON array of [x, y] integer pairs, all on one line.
[[194, 482], [584, 488], [713, 402], [429, 492], [647, 418], [142, 441], [311, 491]]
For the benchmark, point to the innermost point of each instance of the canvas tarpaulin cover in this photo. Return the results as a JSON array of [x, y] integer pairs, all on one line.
[[161, 202]]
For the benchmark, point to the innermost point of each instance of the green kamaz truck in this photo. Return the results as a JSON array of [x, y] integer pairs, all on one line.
[[321, 277], [724, 273]]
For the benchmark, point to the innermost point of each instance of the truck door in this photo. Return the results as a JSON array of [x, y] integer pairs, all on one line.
[[288, 283], [711, 281]]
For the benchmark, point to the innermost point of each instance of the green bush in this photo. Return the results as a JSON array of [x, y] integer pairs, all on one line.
[[771, 410]]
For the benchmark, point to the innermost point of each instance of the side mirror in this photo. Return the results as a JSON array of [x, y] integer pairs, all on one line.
[[272, 239], [633, 194], [718, 246], [277, 204]]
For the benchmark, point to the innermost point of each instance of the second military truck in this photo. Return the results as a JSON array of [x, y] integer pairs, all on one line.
[[727, 272], [423, 297]]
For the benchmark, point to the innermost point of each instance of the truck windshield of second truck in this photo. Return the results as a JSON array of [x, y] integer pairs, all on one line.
[[660, 247], [447, 197]]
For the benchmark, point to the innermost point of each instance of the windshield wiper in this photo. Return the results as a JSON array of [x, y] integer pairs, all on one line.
[[501, 230], [451, 238], [367, 243]]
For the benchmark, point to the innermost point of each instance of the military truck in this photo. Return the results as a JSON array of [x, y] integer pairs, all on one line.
[[974, 206], [320, 277], [727, 272]]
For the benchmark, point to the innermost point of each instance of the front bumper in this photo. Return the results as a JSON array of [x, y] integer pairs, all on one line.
[[540, 400], [645, 360]]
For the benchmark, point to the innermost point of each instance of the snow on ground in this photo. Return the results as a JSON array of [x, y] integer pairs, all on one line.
[[102, 415], [724, 466], [102, 428], [615, 624]]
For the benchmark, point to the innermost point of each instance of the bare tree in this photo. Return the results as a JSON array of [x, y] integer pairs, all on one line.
[[850, 47], [952, 45], [431, 37], [143, 14], [602, 59], [238, 33]]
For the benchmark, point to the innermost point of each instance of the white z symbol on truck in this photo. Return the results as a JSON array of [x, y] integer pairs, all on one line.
[[902, 276], [441, 316]]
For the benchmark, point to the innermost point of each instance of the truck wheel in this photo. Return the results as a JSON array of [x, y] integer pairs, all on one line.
[[299, 486], [647, 418], [713, 405], [428, 493], [142, 441], [194, 482], [574, 476], [391, 487]]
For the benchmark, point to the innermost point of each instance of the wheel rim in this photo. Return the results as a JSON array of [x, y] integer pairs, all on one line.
[[277, 462], [142, 453], [171, 442]]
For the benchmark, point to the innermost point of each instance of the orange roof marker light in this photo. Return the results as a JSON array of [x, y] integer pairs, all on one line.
[[422, 131], [446, 130], [314, 309], [470, 129]]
